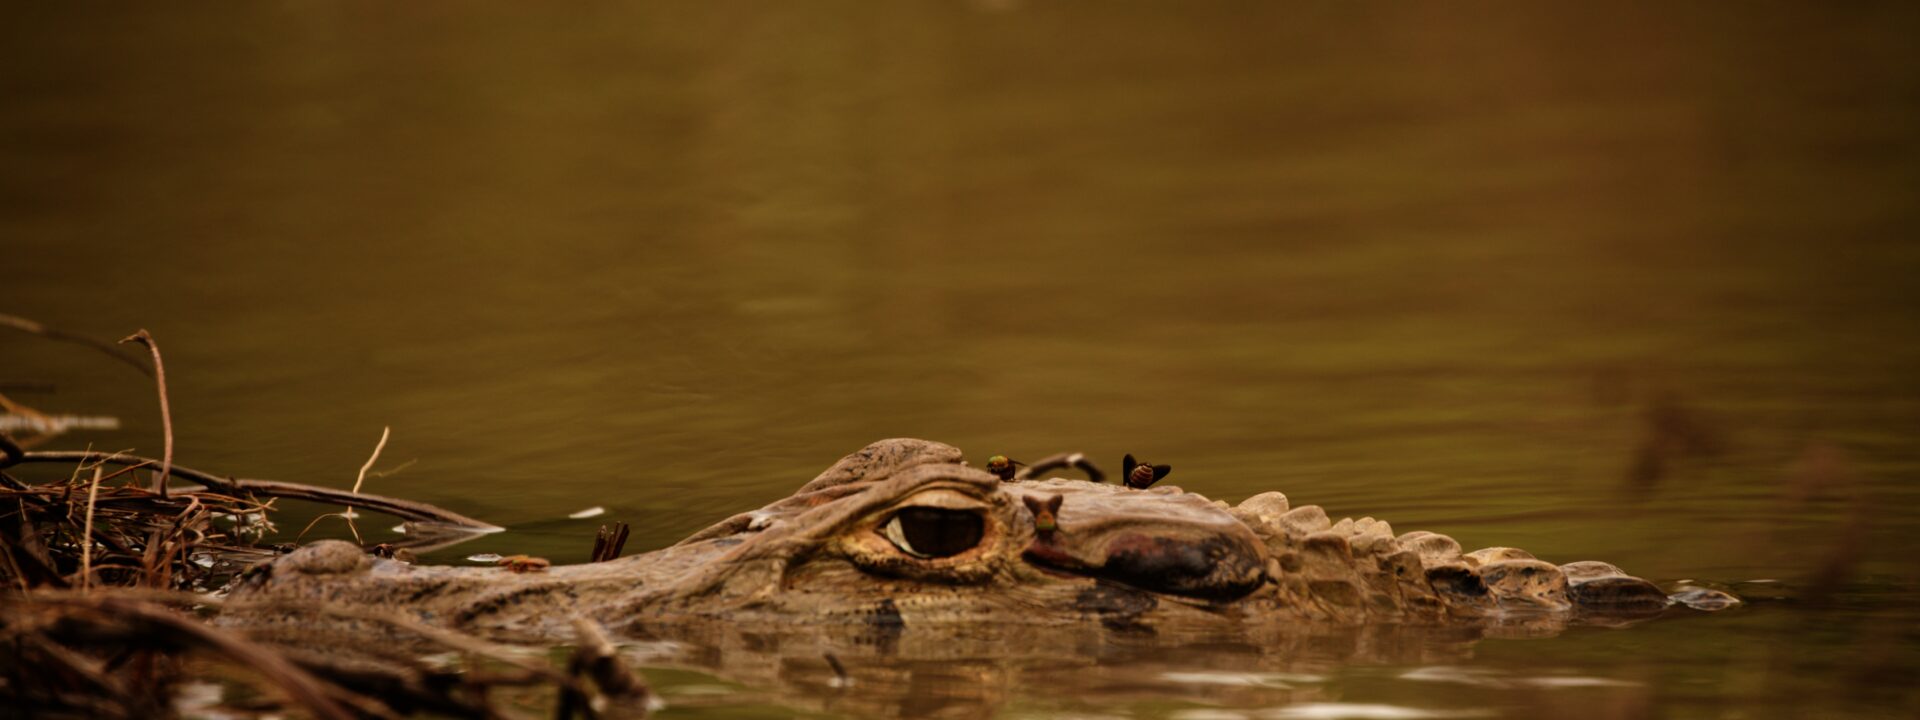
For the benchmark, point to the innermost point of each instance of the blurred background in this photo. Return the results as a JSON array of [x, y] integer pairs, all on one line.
[[1633, 283]]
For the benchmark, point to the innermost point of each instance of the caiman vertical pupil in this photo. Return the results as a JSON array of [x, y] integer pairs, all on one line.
[[934, 532]]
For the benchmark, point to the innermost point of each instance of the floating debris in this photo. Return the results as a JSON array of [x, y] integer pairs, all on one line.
[[595, 511], [1277, 681], [1484, 677], [524, 563], [1365, 711]]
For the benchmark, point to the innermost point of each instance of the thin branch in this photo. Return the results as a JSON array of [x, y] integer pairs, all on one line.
[[86, 536], [316, 521], [166, 415], [1062, 460], [405, 509], [123, 471], [28, 326], [384, 432], [348, 514], [395, 469]]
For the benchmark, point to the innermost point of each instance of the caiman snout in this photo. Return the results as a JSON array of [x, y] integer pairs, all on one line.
[[1213, 568], [1163, 544]]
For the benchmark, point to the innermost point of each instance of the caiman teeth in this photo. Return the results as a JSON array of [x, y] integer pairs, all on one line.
[[899, 538]]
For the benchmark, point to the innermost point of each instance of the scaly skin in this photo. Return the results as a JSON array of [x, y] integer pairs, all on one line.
[[1158, 559]]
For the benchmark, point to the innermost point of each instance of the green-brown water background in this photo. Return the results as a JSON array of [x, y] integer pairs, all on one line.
[[1468, 268]]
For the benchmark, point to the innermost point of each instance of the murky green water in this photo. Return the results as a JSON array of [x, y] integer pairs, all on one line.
[[1634, 284]]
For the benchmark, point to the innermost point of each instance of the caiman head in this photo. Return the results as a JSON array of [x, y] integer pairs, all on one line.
[[904, 532]]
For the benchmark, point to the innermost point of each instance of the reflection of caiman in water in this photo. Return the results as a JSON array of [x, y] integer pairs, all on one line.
[[901, 550]]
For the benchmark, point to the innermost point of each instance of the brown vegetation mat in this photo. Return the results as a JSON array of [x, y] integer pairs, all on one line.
[[109, 597]]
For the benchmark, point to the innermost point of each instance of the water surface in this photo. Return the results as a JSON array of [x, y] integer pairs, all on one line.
[[1633, 284]]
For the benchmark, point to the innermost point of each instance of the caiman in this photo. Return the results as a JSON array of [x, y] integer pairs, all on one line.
[[905, 534]]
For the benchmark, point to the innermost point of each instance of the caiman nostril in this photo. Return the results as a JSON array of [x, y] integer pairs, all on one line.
[[1213, 568]]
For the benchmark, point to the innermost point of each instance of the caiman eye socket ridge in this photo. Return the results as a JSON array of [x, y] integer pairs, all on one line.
[[929, 533]]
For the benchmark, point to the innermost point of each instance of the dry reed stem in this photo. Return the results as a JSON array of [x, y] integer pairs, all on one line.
[[86, 536], [384, 432], [347, 513], [166, 415]]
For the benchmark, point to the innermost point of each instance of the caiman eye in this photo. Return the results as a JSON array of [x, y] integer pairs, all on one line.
[[926, 532]]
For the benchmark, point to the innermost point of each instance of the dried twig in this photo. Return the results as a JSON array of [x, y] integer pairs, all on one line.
[[347, 513], [1062, 460], [405, 509], [609, 542], [123, 536], [166, 415], [394, 470], [86, 536], [29, 326], [382, 445]]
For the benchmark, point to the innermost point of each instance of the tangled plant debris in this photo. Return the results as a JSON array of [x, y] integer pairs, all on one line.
[[113, 581]]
